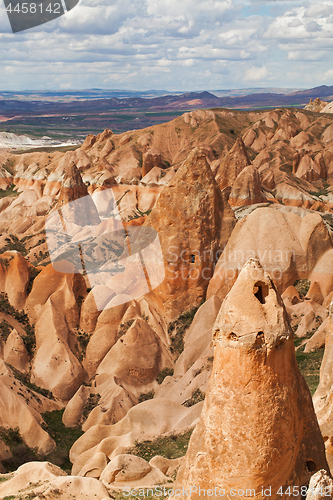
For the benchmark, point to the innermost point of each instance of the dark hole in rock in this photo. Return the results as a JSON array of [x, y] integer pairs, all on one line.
[[192, 259], [260, 337], [232, 336], [260, 290], [311, 466]]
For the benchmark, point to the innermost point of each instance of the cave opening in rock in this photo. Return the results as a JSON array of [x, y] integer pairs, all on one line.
[[260, 290], [311, 466]]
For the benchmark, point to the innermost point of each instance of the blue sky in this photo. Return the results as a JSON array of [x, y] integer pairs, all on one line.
[[178, 45]]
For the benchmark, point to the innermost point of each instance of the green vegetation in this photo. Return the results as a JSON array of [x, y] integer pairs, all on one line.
[[302, 286], [124, 327], [309, 363], [173, 446], [5, 330], [196, 397], [24, 379], [287, 168], [137, 213], [92, 402], [47, 149], [309, 366], [13, 243], [40, 257], [29, 339], [167, 372], [64, 438], [33, 274], [8, 192], [20, 451], [177, 329], [322, 191], [145, 317], [145, 396], [83, 340]]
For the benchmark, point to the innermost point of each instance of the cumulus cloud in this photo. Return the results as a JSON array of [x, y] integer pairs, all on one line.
[[255, 74], [193, 44]]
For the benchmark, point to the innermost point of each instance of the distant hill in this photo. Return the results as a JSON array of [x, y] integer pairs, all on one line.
[[60, 114]]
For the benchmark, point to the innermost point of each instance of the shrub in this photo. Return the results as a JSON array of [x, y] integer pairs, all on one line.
[[91, 403], [13, 243], [177, 329], [28, 339], [302, 286], [124, 327], [145, 396], [24, 379], [167, 372], [5, 330], [8, 192], [196, 397], [173, 446], [33, 274], [83, 340]]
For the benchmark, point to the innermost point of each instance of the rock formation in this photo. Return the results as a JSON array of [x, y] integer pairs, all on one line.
[[258, 428], [47, 481], [232, 164], [113, 341], [193, 223], [151, 159], [145, 420], [320, 486], [317, 105], [246, 189], [323, 397], [288, 254], [73, 188]]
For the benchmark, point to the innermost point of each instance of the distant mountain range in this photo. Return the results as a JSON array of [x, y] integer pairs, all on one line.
[[64, 114], [102, 100]]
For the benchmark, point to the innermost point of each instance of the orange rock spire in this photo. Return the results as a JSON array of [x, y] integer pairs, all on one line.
[[258, 430]]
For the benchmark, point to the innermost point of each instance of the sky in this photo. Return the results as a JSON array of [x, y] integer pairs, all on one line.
[[176, 45]]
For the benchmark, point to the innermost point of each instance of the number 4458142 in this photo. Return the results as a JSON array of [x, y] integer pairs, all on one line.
[[297, 490], [34, 8]]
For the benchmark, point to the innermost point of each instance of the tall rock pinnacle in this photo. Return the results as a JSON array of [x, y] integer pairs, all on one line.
[[258, 430], [194, 223], [83, 212]]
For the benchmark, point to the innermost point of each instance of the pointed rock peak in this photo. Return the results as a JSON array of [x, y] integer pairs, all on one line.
[[240, 147], [195, 167], [193, 222], [232, 164], [106, 134], [72, 178], [84, 212], [246, 189], [252, 315]]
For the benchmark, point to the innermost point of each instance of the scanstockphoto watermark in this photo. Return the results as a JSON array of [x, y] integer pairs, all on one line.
[[264, 492], [25, 14], [199, 265], [119, 262], [187, 492]]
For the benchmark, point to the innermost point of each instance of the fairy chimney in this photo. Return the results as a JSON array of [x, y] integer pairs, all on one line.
[[258, 430]]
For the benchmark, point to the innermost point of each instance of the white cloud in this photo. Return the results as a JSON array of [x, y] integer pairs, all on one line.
[[193, 44], [255, 74]]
